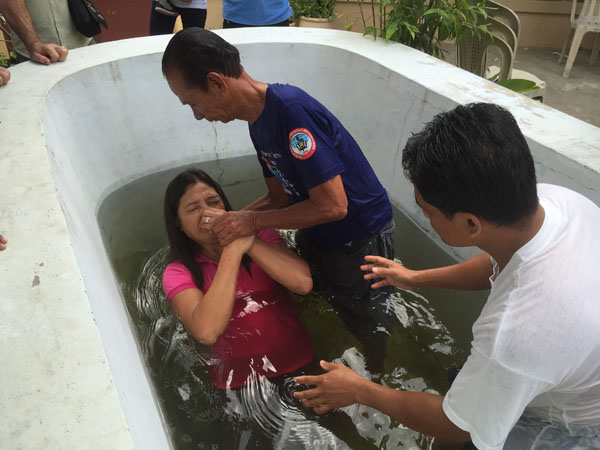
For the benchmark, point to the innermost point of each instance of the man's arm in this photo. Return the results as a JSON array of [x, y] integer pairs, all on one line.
[[327, 202], [275, 198], [18, 18], [472, 274], [340, 386]]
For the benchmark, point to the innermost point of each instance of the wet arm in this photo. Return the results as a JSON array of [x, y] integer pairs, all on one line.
[[340, 386], [419, 411], [472, 274], [283, 265], [207, 315], [327, 202]]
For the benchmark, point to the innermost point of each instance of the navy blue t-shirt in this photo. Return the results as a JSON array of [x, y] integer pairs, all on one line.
[[301, 143]]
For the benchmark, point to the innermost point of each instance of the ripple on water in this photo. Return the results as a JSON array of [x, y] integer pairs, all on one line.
[[264, 414]]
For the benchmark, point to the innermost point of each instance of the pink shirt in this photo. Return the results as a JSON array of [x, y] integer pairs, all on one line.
[[264, 336]]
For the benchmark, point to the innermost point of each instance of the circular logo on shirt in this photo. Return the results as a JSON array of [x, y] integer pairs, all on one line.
[[302, 143]]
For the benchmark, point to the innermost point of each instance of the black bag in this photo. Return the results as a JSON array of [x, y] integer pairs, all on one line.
[[86, 17]]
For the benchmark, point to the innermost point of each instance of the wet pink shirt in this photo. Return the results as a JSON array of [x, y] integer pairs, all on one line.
[[264, 336]]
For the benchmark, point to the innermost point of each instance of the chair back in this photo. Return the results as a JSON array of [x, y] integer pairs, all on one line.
[[472, 50], [500, 12], [589, 14], [502, 30]]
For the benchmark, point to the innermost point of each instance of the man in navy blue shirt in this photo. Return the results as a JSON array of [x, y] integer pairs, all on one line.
[[317, 177]]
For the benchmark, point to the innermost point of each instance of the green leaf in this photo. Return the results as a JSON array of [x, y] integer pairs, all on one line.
[[441, 12], [444, 32], [484, 28], [371, 30], [411, 29], [391, 29], [519, 85], [458, 27]]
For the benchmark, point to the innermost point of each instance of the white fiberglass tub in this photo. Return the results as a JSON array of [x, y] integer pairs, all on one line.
[[72, 133]]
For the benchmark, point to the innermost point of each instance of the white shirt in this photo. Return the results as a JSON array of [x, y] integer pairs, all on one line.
[[537, 340]]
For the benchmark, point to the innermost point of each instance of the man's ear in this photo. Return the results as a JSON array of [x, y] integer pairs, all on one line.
[[216, 81], [472, 225]]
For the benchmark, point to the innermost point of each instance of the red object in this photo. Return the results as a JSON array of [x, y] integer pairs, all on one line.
[[264, 336], [125, 18]]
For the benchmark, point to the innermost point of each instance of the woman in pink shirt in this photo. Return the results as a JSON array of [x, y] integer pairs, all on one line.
[[233, 298]]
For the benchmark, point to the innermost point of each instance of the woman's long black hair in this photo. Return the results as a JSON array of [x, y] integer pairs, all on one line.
[[184, 249]]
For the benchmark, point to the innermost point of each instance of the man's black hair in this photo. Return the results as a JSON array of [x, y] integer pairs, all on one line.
[[474, 159], [195, 52]]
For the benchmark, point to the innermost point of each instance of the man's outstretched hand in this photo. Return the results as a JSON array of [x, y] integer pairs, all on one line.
[[336, 388], [388, 273]]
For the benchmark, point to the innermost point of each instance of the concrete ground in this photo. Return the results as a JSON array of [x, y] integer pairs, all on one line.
[[578, 95]]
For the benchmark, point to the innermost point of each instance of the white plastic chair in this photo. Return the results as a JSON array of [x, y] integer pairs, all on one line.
[[587, 20], [471, 53], [502, 29], [505, 26], [508, 16]]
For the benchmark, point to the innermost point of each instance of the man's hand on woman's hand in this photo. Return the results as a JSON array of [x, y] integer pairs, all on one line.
[[209, 217], [389, 273], [232, 225]]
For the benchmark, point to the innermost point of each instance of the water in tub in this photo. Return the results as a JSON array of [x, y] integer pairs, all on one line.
[[431, 334]]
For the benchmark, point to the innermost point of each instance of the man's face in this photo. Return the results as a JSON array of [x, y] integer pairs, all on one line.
[[212, 104], [451, 230]]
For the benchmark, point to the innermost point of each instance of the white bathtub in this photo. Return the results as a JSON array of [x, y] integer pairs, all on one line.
[[72, 133]]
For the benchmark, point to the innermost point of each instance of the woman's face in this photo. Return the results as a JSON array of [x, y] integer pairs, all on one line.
[[193, 202]]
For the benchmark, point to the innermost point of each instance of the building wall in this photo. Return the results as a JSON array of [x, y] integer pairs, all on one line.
[[544, 23], [131, 18]]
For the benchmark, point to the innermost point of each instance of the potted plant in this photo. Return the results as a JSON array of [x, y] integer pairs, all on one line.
[[423, 24], [313, 13]]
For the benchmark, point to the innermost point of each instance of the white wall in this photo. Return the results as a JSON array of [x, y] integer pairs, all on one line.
[[74, 132]]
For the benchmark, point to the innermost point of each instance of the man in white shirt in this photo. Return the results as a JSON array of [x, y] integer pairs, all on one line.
[[532, 380]]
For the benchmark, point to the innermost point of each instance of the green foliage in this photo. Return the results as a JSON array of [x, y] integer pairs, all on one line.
[[8, 60], [424, 24], [11, 58], [317, 9], [519, 85]]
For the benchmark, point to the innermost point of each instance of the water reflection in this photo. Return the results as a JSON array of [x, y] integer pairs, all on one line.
[[264, 414]]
